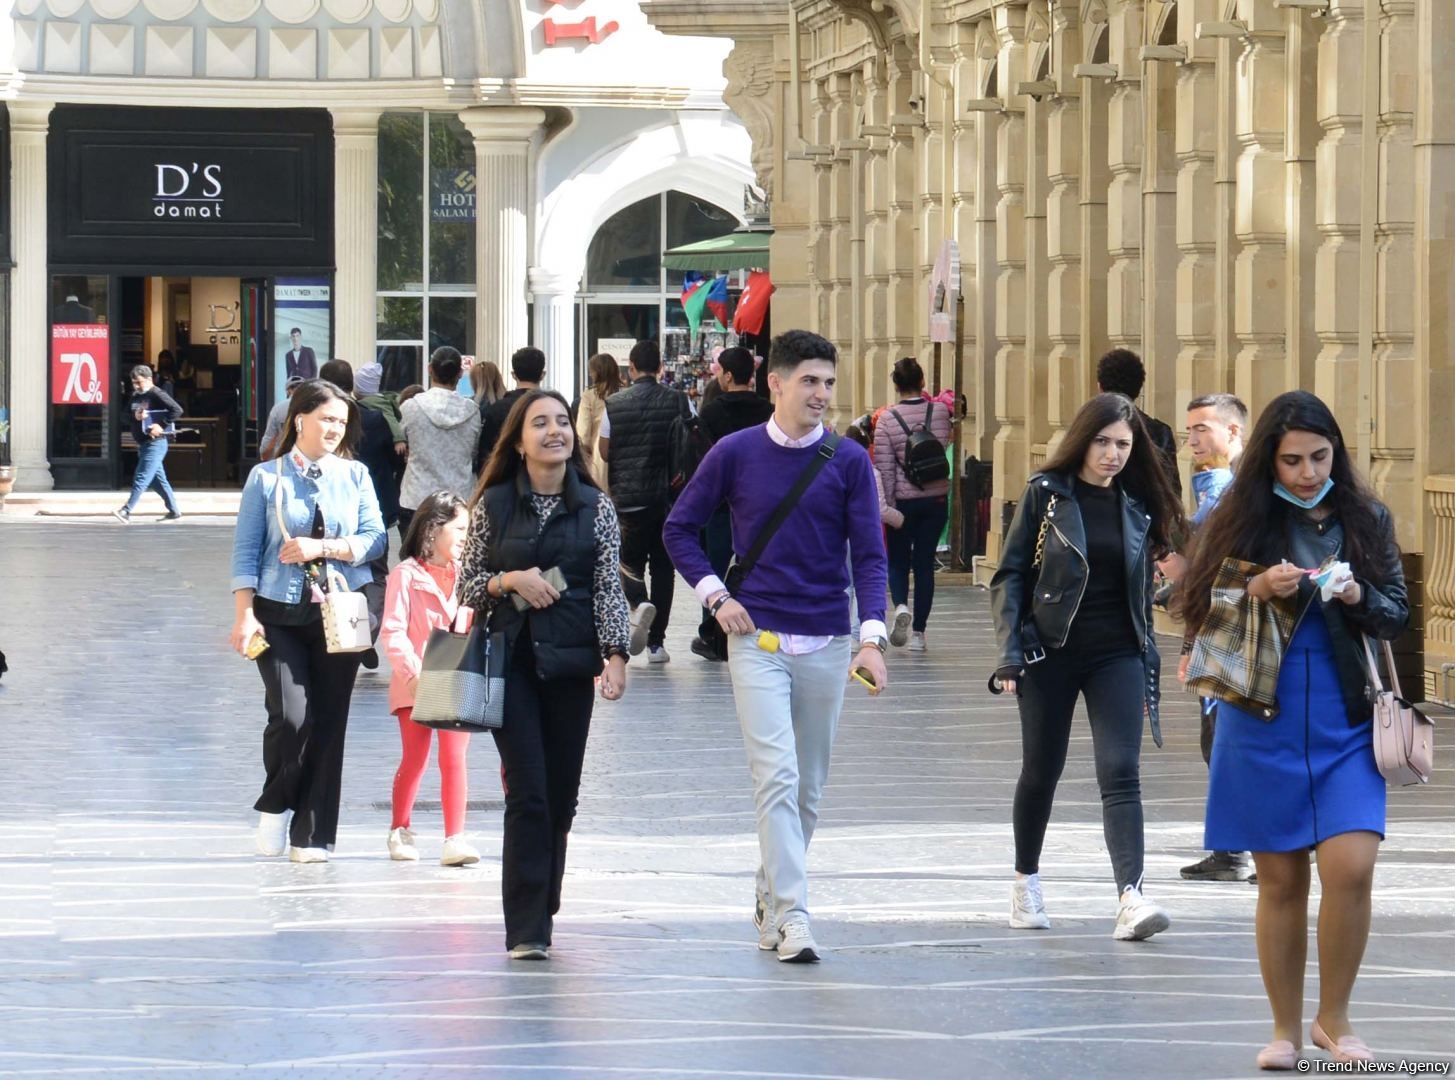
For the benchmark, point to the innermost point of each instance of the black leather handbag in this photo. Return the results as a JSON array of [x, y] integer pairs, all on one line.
[[462, 680]]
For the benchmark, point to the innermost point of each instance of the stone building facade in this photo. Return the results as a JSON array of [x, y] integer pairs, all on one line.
[[1254, 194]]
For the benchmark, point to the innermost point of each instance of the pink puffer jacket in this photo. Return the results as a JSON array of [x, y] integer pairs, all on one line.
[[889, 444]]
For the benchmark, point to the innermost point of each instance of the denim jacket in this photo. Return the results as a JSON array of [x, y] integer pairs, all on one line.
[[350, 510]]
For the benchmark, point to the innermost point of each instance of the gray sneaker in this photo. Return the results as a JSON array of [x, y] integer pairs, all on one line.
[[122, 515], [1220, 866], [797, 945], [768, 936]]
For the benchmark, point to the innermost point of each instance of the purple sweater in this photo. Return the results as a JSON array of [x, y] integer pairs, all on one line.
[[798, 586]]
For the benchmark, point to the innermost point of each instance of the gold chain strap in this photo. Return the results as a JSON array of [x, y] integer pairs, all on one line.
[[1041, 535]]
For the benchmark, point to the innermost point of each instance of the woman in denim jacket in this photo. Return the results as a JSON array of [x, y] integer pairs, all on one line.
[[332, 517]]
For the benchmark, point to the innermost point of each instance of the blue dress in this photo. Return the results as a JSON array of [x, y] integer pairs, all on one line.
[[1293, 782]]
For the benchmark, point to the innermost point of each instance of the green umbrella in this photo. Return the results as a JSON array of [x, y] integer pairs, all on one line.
[[735, 251]]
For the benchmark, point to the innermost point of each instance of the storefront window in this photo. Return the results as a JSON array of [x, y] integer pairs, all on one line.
[[82, 382], [690, 219], [626, 252], [426, 240]]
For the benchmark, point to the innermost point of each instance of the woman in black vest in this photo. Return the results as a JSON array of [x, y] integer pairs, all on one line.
[[536, 509]]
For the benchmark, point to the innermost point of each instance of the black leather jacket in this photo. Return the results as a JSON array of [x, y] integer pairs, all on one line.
[[1034, 609]]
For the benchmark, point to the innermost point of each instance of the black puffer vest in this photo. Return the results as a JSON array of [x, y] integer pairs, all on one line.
[[641, 424], [563, 636]]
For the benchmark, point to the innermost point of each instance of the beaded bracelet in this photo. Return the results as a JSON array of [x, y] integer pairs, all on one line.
[[718, 603]]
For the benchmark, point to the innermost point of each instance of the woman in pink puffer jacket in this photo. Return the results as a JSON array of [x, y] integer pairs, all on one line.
[[913, 544]]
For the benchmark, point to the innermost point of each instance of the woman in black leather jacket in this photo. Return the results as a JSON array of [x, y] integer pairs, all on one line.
[[1304, 777], [1072, 600]]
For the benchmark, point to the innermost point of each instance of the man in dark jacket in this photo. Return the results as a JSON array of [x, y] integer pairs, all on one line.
[[635, 433], [737, 407], [1121, 372], [154, 415], [528, 365]]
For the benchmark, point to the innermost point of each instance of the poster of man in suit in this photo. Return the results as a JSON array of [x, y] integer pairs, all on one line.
[[299, 359], [302, 313]]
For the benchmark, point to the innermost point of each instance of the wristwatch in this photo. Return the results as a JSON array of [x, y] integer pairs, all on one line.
[[879, 641]]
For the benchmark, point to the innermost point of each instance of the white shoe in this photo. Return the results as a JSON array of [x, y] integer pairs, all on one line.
[[401, 846], [641, 622], [1027, 908], [530, 950], [308, 854], [797, 945], [917, 641], [457, 852], [657, 654], [1138, 918], [768, 936], [272, 838], [899, 633]]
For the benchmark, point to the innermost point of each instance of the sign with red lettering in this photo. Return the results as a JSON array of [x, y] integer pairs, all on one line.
[[80, 363]]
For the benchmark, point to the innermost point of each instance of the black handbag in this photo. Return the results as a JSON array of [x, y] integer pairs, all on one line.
[[462, 680]]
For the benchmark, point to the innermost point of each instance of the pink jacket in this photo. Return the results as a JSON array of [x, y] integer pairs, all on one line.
[[413, 606], [889, 444]]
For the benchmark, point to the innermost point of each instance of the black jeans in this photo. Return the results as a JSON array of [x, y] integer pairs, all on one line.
[[641, 544], [542, 744], [308, 692], [717, 542], [912, 546], [1113, 687], [376, 587]]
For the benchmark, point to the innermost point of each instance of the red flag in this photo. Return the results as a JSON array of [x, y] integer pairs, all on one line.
[[753, 303]]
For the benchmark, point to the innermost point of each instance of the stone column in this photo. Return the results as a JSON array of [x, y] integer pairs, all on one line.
[[1160, 254], [1338, 164], [504, 203], [840, 179], [554, 326], [1012, 443], [1095, 256], [982, 315], [1261, 207], [1395, 369], [875, 193], [29, 297], [1037, 270], [963, 208], [1124, 159], [1198, 371], [355, 232], [1065, 364], [818, 125], [904, 128], [792, 180], [1302, 239]]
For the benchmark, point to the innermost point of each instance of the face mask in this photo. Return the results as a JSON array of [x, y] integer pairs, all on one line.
[[1307, 504]]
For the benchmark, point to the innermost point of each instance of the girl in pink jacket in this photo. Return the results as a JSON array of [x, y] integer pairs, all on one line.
[[419, 597]]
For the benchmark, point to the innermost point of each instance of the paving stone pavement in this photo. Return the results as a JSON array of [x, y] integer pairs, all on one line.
[[140, 935]]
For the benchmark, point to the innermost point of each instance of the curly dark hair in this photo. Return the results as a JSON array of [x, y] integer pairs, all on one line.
[[1144, 475], [1251, 522], [1121, 372]]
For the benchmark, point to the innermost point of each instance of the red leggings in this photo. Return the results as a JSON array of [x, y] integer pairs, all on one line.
[[454, 785]]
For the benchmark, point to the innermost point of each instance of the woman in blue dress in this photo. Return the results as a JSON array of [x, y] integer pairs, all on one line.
[[1304, 778]]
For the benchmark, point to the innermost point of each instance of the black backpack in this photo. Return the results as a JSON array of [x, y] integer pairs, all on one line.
[[687, 444], [924, 455]]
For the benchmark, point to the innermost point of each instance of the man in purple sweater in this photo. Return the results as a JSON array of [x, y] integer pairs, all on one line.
[[789, 692]]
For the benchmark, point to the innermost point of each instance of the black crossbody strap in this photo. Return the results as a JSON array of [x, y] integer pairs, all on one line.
[[826, 450]]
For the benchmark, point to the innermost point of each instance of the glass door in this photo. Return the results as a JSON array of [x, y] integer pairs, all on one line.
[[256, 374]]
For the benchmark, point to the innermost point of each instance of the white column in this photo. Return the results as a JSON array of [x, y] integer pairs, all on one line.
[[355, 232], [29, 349], [502, 225], [555, 327]]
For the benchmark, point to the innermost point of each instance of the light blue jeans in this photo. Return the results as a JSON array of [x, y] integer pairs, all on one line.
[[788, 708], [151, 474]]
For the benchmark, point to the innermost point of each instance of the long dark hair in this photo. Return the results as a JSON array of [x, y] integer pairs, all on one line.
[[436, 510], [307, 397], [1251, 522], [1144, 475], [506, 462]]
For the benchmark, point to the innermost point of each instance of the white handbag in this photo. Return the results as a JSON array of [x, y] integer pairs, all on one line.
[[345, 613]]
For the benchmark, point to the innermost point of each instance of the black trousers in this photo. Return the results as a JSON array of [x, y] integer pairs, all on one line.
[[641, 545], [912, 546], [376, 587], [1115, 696], [542, 744], [308, 691]]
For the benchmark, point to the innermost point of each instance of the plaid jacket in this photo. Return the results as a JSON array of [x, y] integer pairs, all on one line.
[[1239, 648]]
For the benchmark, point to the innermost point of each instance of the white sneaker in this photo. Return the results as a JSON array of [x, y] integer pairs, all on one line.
[[1027, 908], [641, 622], [530, 950], [458, 852], [401, 846], [657, 654], [308, 854], [899, 633], [797, 945], [917, 641], [272, 838], [768, 936], [1138, 918]]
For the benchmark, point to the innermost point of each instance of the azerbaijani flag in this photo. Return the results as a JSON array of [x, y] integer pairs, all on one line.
[[699, 297]]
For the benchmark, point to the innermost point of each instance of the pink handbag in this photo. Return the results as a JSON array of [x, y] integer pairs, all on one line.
[[1404, 737]]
